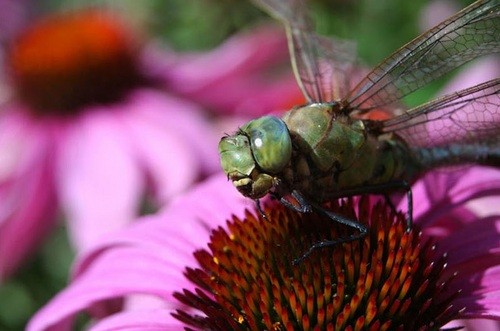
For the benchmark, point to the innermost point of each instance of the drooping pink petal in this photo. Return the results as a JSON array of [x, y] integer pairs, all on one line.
[[474, 251], [214, 200], [12, 126], [149, 320], [115, 274], [255, 95], [99, 183], [241, 54], [484, 301], [173, 142], [474, 325], [234, 78], [471, 243], [146, 258], [475, 241], [28, 209], [435, 12], [474, 73], [441, 191]]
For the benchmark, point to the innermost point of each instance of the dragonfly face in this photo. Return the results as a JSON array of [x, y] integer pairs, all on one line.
[[260, 148]]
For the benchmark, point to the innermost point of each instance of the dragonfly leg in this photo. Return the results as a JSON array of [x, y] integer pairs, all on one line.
[[382, 189], [300, 204], [296, 201], [388, 201], [401, 185], [259, 208], [409, 198], [363, 230]]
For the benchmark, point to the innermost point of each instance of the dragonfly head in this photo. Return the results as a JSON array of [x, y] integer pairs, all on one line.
[[255, 154]]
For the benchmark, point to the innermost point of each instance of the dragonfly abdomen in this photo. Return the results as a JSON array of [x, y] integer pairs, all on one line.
[[487, 153]]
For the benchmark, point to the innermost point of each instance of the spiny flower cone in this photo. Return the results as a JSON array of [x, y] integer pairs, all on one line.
[[390, 280]]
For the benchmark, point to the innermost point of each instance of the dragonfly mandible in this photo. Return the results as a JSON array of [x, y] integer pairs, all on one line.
[[332, 148]]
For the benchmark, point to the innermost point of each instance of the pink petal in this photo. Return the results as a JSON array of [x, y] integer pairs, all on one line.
[[483, 284], [440, 191], [99, 181], [17, 142], [252, 95], [115, 274], [474, 252], [472, 242], [481, 306], [171, 139], [242, 54], [474, 325], [477, 72], [149, 320], [28, 201], [234, 78], [436, 12], [147, 258], [204, 207]]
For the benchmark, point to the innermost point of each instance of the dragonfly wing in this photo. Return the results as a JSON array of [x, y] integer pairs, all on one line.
[[467, 116], [472, 32], [323, 66]]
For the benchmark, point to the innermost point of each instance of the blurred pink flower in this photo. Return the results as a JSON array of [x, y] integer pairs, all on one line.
[[117, 280], [95, 124], [436, 12], [253, 76]]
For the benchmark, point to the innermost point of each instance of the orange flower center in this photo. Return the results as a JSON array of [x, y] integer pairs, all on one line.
[[74, 59]]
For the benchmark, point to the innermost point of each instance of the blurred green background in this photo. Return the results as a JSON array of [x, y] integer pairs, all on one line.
[[378, 26]]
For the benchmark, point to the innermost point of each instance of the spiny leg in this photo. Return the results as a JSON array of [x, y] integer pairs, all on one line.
[[259, 208], [301, 204], [363, 230], [389, 202], [382, 189], [409, 197], [305, 206]]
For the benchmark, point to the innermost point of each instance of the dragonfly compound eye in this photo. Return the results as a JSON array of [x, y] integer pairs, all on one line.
[[270, 143]]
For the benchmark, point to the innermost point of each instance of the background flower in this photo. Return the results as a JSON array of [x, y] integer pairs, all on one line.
[[95, 157], [83, 131], [102, 149]]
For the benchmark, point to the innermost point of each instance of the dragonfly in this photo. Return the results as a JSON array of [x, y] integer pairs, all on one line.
[[352, 141]]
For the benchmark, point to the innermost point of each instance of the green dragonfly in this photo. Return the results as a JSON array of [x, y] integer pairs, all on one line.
[[347, 142]]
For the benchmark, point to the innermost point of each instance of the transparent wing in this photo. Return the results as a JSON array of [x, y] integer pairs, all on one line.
[[323, 66], [466, 116], [473, 32]]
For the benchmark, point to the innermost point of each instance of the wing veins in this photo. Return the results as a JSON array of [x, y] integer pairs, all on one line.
[[404, 58], [450, 100]]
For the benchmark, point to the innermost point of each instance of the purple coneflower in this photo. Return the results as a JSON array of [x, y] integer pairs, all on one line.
[[206, 273]]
